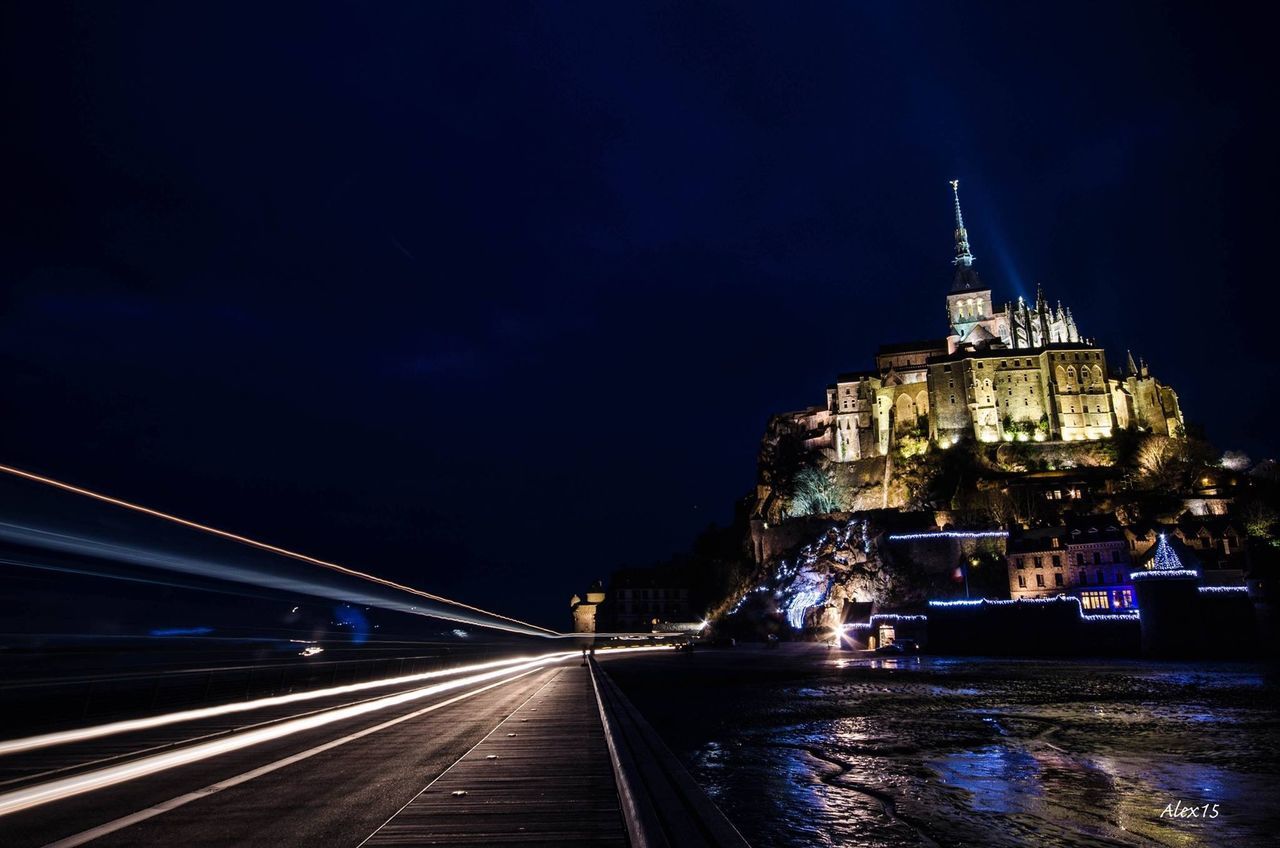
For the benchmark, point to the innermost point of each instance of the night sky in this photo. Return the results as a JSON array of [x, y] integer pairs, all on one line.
[[494, 299]]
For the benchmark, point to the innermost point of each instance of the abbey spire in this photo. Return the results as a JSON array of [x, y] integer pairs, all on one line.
[[966, 278], [963, 255]]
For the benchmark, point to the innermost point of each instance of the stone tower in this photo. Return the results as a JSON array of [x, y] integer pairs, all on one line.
[[969, 303]]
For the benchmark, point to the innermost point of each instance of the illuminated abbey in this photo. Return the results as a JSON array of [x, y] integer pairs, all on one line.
[[1022, 372]]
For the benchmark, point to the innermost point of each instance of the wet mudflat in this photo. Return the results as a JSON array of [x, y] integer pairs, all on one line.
[[804, 746]]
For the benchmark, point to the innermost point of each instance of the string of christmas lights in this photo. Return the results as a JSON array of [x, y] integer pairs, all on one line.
[[1054, 600], [1156, 574], [1166, 558], [950, 534]]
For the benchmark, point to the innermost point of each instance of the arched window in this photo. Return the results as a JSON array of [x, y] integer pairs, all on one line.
[[906, 411], [1061, 375], [1071, 376]]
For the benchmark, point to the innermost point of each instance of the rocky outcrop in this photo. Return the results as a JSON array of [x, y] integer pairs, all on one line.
[[848, 561]]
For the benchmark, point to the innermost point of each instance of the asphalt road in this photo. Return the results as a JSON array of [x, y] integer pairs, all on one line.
[[333, 797]]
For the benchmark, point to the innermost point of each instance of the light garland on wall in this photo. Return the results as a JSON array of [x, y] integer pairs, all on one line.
[[1224, 590], [950, 534], [1054, 600], [871, 623], [1172, 572]]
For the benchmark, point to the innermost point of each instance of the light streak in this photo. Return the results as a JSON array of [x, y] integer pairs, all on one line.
[[254, 543], [45, 740], [172, 804], [55, 790], [1167, 572]]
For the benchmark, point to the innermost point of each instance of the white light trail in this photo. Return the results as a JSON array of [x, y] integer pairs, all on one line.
[[244, 540], [172, 804], [45, 740], [56, 790]]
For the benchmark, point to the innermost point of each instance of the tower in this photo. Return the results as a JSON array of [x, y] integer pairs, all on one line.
[[969, 302]]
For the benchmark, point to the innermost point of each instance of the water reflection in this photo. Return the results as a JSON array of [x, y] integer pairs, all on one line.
[[905, 751]]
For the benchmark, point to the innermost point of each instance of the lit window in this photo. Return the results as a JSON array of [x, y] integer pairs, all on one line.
[[1094, 600]]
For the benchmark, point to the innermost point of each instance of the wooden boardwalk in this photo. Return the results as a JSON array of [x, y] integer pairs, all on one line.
[[542, 777]]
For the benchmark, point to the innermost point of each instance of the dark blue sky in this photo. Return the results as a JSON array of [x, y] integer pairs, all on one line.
[[494, 298]]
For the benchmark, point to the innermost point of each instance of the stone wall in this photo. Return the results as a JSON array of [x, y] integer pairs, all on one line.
[[1029, 629]]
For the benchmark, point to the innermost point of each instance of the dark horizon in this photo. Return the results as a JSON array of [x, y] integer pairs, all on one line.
[[495, 302]]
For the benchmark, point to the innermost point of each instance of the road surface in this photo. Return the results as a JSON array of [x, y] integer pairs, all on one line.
[[329, 785]]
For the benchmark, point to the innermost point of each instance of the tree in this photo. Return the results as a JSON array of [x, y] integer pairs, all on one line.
[[1234, 460], [1170, 464], [813, 492], [1260, 519]]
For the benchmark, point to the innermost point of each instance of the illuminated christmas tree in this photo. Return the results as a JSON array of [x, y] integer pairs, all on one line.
[[1166, 559]]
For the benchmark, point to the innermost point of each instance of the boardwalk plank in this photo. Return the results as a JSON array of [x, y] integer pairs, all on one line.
[[542, 777]]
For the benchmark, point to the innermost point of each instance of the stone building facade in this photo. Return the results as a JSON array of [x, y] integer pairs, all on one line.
[[1088, 558], [1021, 372], [646, 599], [586, 609]]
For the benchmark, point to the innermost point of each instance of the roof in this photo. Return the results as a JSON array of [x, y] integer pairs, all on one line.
[[1086, 529], [1215, 526], [978, 334], [1036, 539], [1006, 353], [856, 376], [647, 578], [912, 347]]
